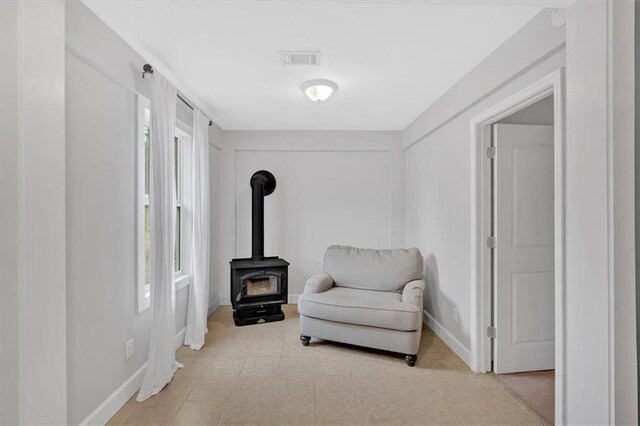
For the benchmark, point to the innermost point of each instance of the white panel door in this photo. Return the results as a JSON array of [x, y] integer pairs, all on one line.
[[523, 258]]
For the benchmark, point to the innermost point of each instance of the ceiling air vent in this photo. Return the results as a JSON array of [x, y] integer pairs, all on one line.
[[300, 58]]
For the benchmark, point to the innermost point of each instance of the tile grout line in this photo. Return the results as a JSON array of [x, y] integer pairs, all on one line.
[[386, 366], [519, 404], [364, 416], [508, 396], [444, 398]]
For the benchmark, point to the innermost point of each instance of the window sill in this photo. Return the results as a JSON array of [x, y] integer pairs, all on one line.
[[182, 281]]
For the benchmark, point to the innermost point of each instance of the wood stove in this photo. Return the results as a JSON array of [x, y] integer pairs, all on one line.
[[258, 283]]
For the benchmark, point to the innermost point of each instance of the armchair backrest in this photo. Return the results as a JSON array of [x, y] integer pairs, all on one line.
[[381, 270]]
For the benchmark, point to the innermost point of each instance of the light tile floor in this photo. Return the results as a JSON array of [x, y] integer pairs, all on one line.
[[533, 388], [261, 374]]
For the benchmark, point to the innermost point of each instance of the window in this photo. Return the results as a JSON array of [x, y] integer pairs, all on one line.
[[182, 166], [177, 261]]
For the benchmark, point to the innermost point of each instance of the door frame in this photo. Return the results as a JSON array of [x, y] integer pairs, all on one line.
[[481, 259]]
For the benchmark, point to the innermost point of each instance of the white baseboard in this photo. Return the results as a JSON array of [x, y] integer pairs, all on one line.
[[215, 304], [117, 399], [458, 348], [293, 299], [180, 338]]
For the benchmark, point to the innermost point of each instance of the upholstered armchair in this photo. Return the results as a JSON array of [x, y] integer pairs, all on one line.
[[364, 297]]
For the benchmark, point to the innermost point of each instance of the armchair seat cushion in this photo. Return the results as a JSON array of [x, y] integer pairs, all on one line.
[[362, 307]]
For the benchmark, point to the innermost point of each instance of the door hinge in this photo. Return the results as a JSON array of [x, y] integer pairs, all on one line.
[[491, 332], [492, 242], [491, 152]]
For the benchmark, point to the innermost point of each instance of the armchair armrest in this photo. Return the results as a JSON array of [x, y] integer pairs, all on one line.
[[318, 283], [412, 292]]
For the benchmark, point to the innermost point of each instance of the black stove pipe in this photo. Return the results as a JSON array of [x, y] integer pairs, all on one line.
[[263, 183]]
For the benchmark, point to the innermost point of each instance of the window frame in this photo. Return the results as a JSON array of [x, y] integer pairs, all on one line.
[[143, 290], [184, 133]]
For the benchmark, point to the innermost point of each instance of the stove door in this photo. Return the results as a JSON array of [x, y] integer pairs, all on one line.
[[265, 285], [262, 284]]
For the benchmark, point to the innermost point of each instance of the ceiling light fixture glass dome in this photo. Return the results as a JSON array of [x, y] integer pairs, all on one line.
[[319, 90]]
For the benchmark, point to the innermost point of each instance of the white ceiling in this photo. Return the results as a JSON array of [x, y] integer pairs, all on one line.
[[391, 60]]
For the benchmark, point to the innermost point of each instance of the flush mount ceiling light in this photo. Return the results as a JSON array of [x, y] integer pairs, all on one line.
[[319, 90]]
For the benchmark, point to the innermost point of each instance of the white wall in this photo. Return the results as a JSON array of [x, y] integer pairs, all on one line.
[[587, 322], [32, 229], [438, 162], [637, 183], [9, 238], [101, 207], [332, 188], [103, 77], [600, 317], [215, 148], [621, 139], [101, 244], [600, 358]]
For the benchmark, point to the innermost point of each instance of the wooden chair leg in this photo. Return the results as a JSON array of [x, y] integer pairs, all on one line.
[[411, 360]]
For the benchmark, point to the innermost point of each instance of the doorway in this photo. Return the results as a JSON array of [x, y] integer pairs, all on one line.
[[523, 352], [519, 239], [522, 227]]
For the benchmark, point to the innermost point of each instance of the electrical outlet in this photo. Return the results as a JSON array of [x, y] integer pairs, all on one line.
[[128, 349], [455, 315]]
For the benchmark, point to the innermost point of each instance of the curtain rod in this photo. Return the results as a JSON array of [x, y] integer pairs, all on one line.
[[148, 69]]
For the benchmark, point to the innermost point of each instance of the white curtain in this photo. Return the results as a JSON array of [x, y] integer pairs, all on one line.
[[199, 288], [162, 358]]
